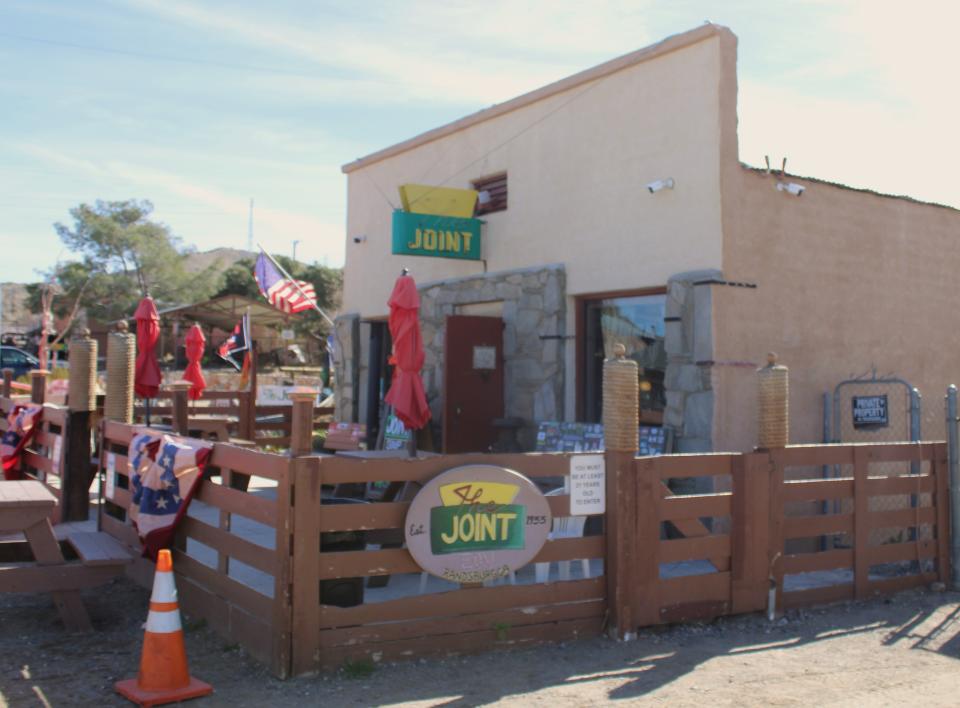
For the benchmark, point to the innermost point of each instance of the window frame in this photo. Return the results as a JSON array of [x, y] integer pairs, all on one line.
[[481, 182], [581, 303]]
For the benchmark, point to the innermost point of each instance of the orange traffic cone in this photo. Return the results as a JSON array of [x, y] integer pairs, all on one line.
[[164, 676]]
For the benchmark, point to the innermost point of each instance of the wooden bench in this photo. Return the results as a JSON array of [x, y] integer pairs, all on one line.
[[95, 548], [25, 506]]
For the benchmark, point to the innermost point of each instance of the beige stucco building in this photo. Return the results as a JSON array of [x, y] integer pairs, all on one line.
[[699, 277]]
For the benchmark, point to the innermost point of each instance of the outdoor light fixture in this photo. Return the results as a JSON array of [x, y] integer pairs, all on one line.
[[667, 183], [791, 187]]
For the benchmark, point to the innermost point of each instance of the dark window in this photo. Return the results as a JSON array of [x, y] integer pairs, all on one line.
[[493, 194], [637, 323]]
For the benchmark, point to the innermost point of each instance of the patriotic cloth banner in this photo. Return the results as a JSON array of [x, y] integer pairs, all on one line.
[[283, 292], [165, 473], [236, 343], [22, 424]]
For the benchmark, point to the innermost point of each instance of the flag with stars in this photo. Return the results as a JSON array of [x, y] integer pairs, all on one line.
[[166, 471], [22, 424]]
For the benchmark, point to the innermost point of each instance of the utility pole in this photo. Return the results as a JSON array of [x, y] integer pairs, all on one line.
[[250, 228], [295, 242]]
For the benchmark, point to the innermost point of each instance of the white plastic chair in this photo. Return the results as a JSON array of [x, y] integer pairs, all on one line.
[[563, 527]]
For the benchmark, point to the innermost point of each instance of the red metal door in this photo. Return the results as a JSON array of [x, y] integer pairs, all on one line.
[[472, 382]]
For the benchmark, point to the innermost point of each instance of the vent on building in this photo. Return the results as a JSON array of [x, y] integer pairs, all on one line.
[[493, 193]]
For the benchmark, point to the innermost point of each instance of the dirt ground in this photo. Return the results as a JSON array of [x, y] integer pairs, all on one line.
[[902, 650]]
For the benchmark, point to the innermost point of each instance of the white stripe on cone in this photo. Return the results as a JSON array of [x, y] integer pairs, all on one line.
[[164, 588], [164, 622]]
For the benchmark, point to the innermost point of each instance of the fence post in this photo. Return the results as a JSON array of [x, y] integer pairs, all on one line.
[[305, 475], [621, 392], [750, 533], [248, 415], [179, 390], [38, 386], [953, 462], [7, 383], [82, 399], [301, 427]]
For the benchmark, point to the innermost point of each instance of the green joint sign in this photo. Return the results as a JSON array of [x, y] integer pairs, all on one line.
[[474, 528], [437, 236]]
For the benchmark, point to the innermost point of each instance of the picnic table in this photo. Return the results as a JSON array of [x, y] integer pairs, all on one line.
[[25, 507]]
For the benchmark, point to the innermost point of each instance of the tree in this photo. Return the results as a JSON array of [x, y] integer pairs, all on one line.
[[328, 283], [123, 256]]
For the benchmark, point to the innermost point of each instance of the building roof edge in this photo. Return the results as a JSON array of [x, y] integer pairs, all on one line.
[[665, 46]]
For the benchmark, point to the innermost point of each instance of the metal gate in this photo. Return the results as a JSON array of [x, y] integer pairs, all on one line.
[[877, 410]]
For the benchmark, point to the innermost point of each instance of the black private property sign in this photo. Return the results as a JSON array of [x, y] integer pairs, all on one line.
[[870, 412]]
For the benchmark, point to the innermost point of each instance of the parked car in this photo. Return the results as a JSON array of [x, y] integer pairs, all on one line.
[[18, 360]]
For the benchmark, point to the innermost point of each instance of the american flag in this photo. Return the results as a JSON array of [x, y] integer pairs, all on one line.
[[22, 424], [165, 473], [282, 292]]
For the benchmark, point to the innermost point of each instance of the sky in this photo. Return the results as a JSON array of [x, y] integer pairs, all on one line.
[[202, 105]]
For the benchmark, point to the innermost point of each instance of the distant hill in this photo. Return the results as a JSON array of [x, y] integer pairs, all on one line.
[[220, 258]]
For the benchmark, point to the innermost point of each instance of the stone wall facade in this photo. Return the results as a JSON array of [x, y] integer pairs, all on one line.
[[346, 367], [690, 358], [532, 303]]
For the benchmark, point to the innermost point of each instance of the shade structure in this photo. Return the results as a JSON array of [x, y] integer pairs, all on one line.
[[406, 391], [195, 342], [146, 381]]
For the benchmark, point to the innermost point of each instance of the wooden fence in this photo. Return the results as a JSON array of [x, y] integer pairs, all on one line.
[[266, 425], [286, 569], [43, 459], [232, 550], [461, 619]]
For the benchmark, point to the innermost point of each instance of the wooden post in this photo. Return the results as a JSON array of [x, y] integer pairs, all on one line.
[[776, 545], [178, 390], [301, 429], [283, 633], [38, 386], [749, 537], [621, 392], [643, 509], [861, 523], [248, 415], [7, 383], [941, 476], [77, 475], [305, 573]]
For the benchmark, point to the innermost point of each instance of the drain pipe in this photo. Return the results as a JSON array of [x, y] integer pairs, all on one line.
[[953, 462]]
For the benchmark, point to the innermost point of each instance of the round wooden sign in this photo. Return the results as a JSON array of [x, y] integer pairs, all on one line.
[[477, 522]]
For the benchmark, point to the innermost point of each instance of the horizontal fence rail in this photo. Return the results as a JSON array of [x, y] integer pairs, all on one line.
[[541, 603]]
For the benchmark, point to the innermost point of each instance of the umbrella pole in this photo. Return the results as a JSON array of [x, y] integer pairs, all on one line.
[[412, 444], [148, 412]]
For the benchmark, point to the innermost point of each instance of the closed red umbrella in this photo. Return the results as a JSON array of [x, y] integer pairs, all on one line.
[[406, 392], [195, 342], [146, 380]]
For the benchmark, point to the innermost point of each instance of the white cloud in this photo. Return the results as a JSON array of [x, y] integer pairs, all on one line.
[[459, 52]]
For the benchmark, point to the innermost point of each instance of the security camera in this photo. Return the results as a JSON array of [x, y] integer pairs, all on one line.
[[661, 184], [359, 239], [791, 187]]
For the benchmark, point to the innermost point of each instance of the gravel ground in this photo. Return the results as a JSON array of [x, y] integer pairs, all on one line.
[[901, 650]]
